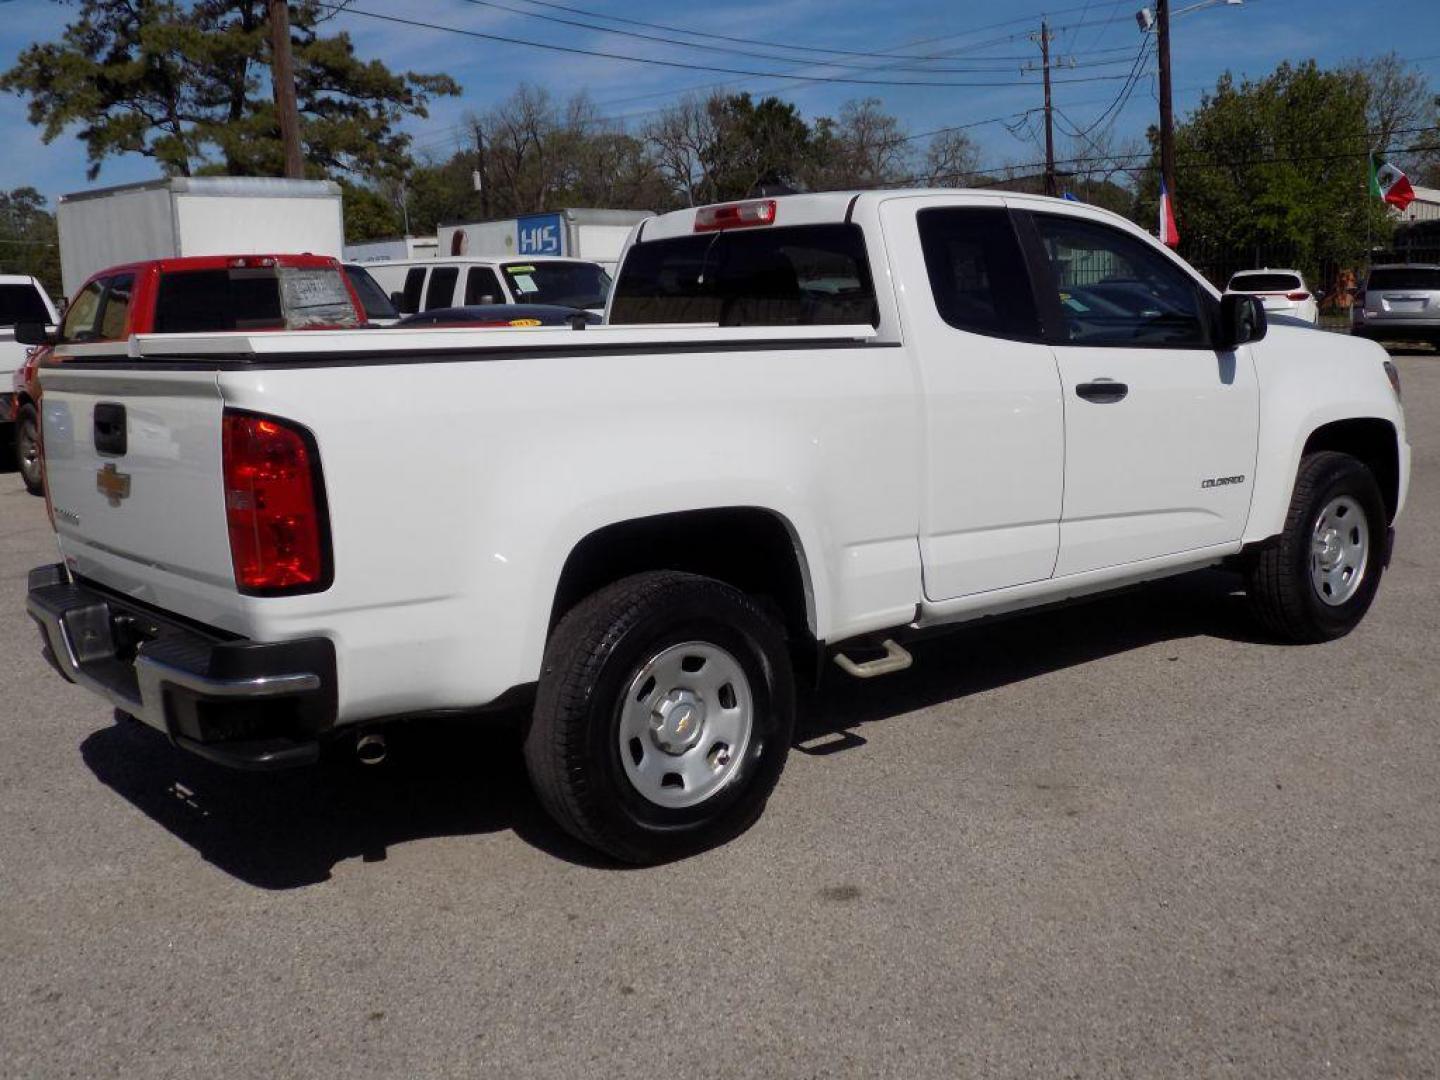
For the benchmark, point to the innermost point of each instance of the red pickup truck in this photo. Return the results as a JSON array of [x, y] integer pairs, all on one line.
[[187, 295]]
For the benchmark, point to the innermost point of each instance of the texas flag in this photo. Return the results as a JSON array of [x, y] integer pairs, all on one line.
[[1389, 183], [1169, 234]]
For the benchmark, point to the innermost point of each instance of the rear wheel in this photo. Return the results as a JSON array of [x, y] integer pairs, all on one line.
[[27, 449], [1318, 579], [663, 716]]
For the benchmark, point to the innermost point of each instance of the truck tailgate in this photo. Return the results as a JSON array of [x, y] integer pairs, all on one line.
[[133, 464]]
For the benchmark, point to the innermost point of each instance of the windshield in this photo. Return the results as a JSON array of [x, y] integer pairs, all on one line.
[[377, 304], [21, 303], [1404, 277], [566, 284], [1265, 283]]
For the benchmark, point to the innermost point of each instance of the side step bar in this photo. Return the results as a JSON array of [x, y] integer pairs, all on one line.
[[895, 659]]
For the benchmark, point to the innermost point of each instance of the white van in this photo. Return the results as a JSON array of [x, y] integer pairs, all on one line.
[[425, 284]]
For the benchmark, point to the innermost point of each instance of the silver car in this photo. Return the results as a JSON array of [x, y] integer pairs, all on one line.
[[1399, 302]]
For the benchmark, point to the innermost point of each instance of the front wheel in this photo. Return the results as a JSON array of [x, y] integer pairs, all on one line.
[[27, 449], [663, 717], [1317, 580]]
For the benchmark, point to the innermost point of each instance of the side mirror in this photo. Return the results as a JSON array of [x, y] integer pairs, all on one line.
[[34, 333], [398, 299], [1242, 320]]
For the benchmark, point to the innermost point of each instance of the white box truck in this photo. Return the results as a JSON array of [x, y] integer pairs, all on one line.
[[596, 235], [395, 248], [212, 215]]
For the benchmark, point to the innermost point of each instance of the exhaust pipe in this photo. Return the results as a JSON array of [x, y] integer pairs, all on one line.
[[371, 749]]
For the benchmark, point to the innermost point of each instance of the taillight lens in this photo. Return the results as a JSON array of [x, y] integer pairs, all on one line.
[[1297, 296], [274, 506], [741, 215]]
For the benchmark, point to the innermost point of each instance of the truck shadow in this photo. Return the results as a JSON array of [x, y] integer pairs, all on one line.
[[288, 830]]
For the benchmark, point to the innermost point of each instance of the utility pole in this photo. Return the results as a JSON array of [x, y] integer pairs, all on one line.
[[1167, 115], [282, 76], [481, 181], [1050, 188]]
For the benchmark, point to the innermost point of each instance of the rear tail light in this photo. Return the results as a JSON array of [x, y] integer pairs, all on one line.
[[1297, 296], [274, 506], [742, 215]]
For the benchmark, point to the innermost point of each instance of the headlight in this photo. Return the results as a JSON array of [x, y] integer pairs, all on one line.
[[1393, 374]]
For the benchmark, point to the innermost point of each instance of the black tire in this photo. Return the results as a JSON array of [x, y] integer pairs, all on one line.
[[1278, 576], [572, 748], [27, 447]]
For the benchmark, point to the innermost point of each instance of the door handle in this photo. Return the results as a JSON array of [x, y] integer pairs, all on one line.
[[1102, 391], [110, 429]]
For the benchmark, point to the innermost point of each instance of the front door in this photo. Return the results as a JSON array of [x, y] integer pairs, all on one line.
[[992, 416], [1160, 428]]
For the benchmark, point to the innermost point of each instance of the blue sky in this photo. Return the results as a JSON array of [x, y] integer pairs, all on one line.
[[1101, 36]]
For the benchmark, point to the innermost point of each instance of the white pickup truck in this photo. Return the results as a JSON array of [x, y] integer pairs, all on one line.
[[813, 428]]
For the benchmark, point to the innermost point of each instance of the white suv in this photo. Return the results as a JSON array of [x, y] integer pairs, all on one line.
[[1283, 292]]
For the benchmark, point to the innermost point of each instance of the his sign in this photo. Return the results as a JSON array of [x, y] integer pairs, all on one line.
[[538, 234]]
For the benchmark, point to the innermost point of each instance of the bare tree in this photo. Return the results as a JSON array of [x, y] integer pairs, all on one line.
[[681, 140], [864, 147], [1401, 110], [951, 160]]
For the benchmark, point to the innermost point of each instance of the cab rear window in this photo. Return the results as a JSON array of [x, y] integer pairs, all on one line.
[[252, 298], [1265, 283], [803, 275]]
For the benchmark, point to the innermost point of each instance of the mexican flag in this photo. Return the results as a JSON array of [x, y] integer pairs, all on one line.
[[1169, 234], [1389, 183]]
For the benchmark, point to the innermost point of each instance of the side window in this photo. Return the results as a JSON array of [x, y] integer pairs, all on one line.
[[410, 298], [115, 314], [80, 316], [977, 272], [481, 283], [441, 290], [1115, 290]]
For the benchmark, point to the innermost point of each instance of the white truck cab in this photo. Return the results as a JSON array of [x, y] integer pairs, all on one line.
[[22, 300], [812, 428], [415, 285]]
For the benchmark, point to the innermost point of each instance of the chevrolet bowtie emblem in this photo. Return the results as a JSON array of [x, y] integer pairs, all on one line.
[[113, 484]]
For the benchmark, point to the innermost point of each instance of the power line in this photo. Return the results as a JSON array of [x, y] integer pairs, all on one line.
[[493, 4], [796, 48], [575, 51]]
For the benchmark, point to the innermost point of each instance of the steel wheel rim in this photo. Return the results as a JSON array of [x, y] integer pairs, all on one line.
[[1339, 550], [29, 446], [685, 724]]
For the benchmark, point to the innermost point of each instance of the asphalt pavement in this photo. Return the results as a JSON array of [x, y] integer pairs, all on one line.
[[1131, 839]]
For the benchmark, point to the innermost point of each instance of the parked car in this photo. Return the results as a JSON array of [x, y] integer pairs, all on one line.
[[22, 300], [873, 424], [1283, 292], [184, 296], [424, 284], [1399, 302], [379, 311], [503, 315]]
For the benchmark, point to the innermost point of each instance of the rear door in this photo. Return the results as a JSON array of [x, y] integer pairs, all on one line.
[[993, 421], [1160, 428], [1403, 294]]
